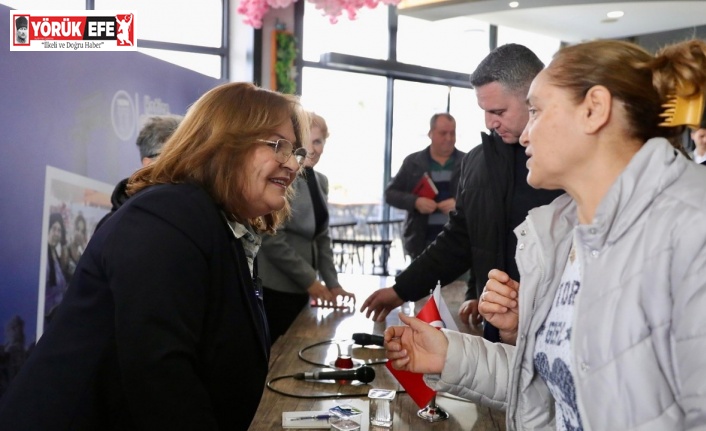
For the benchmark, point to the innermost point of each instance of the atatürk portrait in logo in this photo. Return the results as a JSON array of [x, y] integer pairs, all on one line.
[[21, 34]]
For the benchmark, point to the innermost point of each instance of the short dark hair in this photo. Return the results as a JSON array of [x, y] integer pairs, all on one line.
[[432, 122], [155, 132], [20, 22], [513, 66]]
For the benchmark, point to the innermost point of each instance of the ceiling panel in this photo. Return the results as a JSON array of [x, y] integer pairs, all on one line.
[[569, 21]]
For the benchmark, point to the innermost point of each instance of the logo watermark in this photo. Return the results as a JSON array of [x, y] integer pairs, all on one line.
[[84, 30]]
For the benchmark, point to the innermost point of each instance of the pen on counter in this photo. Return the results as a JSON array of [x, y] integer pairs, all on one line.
[[317, 417]]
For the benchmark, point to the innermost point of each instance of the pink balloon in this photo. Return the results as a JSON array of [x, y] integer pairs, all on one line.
[[254, 11]]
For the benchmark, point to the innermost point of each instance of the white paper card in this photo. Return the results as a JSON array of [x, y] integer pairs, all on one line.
[[288, 419]]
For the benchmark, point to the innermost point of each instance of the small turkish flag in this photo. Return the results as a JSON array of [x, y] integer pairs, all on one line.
[[430, 314], [436, 313]]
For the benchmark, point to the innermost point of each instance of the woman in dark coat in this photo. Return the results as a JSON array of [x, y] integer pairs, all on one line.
[[162, 326]]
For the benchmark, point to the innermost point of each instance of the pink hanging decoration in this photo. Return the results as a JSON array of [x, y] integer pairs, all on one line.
[[254, 10]]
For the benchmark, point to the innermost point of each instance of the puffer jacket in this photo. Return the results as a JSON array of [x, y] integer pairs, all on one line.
[[639, 330]]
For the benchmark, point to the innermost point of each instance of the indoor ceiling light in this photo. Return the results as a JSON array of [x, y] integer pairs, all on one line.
[[514, 4], [615, 14]]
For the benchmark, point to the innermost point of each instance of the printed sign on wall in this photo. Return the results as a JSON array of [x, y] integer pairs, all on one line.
[[83, 30], [73, 206]]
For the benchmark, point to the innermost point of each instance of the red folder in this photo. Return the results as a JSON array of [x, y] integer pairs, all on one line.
[[425, 188]]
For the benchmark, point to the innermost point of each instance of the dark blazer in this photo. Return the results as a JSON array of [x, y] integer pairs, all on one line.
[[289, 261], [160, 328]]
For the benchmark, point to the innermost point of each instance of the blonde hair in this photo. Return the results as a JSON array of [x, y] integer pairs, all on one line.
[[641, 81], [318, 121], [212, 145]]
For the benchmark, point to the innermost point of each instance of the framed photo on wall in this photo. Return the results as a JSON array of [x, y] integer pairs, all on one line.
[[73, 205]]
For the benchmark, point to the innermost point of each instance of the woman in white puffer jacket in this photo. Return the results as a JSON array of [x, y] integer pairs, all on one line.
[[612, 307]]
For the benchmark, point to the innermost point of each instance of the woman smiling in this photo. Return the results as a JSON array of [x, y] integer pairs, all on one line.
[[162, 326]]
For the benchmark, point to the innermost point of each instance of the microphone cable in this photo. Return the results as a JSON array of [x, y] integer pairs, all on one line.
[[312, 397], [336, 395], [321, 343]]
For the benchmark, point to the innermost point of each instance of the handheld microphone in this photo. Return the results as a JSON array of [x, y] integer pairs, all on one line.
[[363, 374], [365, 339]]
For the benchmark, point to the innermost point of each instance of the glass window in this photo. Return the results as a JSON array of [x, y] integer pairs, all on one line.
[[206, 64], [177, 21], [354, 108], [414, 104], [366, 36], [470, 119], [456, 44], [543, 46]]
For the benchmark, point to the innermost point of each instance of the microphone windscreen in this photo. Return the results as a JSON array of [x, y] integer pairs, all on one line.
[[365, 374], [366, 339]]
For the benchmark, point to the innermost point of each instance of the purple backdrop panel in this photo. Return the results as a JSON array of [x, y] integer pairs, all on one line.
[[77, 112]]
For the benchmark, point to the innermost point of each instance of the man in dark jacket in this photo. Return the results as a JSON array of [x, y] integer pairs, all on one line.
[[153, 134], [493, 196], [441, 161]]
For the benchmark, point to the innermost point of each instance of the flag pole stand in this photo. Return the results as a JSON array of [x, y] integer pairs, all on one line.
[[432, 412]]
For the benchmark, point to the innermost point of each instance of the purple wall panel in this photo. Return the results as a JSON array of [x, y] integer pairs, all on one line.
[[72, 111]]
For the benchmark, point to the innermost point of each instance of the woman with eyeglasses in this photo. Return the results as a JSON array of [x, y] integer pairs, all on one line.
[[296, 265], [163, 327]]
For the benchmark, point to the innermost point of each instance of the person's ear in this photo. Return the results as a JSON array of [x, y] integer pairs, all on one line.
[[597, 108]]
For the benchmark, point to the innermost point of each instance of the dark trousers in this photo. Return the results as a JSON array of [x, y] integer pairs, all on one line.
[[282, 308], [491, 333]]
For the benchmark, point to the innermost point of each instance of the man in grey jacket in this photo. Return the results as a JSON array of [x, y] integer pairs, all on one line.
[[441, 161]]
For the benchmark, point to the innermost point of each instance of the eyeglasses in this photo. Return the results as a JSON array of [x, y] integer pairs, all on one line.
[[284, 150]]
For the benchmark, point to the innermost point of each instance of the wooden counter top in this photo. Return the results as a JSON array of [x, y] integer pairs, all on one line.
[[312, 334]]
